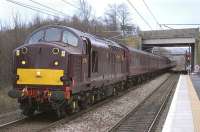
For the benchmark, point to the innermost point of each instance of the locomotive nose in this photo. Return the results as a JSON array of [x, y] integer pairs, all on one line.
[[40, 64], [40, 55]]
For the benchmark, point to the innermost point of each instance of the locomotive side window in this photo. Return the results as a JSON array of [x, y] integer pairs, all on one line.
[[37, 37], [70, 38], [53, 34], [94, 61]]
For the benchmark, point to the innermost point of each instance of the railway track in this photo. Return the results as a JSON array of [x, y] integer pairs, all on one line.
[[76, 115], [43, 122], [145, 116], [28, 124], [10, 123]]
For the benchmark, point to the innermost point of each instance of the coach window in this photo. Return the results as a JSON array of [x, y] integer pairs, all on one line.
[[94, 61], [53, 35], [37, 37], [70, 38]]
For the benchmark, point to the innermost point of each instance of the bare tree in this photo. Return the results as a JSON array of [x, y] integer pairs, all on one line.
[[85, 13], [123, 16], [111, 19]]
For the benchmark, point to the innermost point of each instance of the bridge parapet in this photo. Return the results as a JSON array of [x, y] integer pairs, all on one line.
[[175, 33]]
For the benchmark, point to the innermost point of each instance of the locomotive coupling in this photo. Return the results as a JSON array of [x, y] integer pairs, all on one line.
[[14, 93]]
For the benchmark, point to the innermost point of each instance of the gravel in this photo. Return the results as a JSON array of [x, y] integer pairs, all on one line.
[[105, 117]]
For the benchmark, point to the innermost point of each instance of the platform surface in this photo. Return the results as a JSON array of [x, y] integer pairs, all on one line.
[[184, 112]]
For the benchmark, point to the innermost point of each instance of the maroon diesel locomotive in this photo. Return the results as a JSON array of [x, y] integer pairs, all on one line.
[[62, 69]]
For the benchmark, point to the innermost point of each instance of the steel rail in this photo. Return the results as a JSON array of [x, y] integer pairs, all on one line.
[[169, 80], [67, 119], [72, 117], [11, 123], [169, 94]]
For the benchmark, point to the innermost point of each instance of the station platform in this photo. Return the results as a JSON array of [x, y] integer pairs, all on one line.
[[184, 112]]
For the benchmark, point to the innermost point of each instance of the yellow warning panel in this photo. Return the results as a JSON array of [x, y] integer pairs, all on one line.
[[40, 76]]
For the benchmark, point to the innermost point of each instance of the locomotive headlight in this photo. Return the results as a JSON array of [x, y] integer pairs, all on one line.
[[17, 52], [63, 53], [24, 50], [23, 62], [56, 63], [55, 50]]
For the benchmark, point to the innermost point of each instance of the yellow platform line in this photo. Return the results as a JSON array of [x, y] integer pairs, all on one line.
[[195, 105]]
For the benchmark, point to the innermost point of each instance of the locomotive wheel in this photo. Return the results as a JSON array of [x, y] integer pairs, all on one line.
[[74, 106], [115, 92], [98, 96], [60, 109], [92, 99], [85, 102], [121, 86], [27, 108], [61, 113], [28, 111]]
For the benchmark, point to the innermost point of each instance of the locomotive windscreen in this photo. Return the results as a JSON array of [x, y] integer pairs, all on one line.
[[48, 35], [54, 35]]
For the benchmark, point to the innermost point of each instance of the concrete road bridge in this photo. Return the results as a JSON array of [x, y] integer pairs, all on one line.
[[174, 38]]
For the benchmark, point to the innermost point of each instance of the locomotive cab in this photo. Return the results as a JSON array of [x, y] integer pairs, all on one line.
[[42, 67], [46, 50], [63, 36]]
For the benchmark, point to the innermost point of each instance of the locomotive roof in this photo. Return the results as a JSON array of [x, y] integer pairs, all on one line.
[[97, 41], [142, 52]]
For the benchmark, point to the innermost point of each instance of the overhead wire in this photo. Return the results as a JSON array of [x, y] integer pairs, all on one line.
[[53, 12], [179, 24], [47, 7], [167, 26], [68, 3], [145, 21], [151, 13], [32, 8], [182, 24]]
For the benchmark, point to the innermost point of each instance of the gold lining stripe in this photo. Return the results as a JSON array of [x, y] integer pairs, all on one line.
[[40, 76]]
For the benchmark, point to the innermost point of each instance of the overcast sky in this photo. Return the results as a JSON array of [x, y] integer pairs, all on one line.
[[166, 11]]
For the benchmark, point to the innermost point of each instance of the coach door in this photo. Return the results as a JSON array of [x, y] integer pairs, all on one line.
[[88, 54]]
